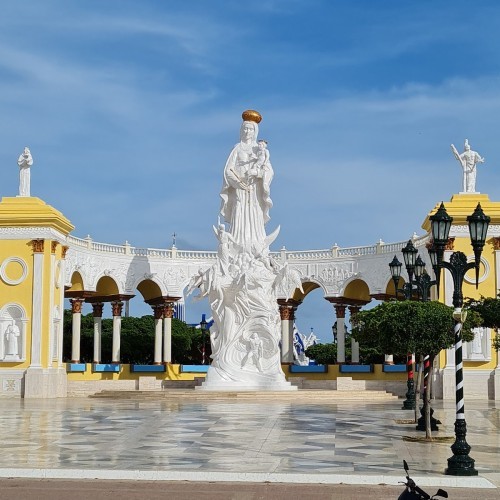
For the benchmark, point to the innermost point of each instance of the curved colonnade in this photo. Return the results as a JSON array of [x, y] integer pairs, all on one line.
[[100, 273]]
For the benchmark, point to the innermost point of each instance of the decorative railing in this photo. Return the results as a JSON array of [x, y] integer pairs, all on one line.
[[309, 255], [174, 253]]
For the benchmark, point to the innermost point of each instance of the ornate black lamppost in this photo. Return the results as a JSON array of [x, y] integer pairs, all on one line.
[[422, 284], [395, 267], [460, 464], [203, 328]]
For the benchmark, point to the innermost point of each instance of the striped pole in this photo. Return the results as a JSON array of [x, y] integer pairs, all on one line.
[[427, 366], [409, 402], [459, 373], [460, 464]]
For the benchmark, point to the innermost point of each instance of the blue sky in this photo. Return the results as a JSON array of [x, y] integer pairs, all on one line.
[[130, 109]]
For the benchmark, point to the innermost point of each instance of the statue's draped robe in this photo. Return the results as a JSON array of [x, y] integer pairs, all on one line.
[[247, 211]]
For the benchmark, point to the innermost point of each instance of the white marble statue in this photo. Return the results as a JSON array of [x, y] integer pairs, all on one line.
[[246, 189], [468, 161], [241, 286], [12, 334], [25, 162]]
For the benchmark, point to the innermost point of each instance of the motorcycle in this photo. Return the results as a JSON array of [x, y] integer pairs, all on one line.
[[413, 492]]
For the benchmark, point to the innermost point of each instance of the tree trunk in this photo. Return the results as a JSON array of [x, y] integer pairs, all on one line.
[[427, 399], [417, 386]]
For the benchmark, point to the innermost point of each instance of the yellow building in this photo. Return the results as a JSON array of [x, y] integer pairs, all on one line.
[[32, 250], [481, 361]]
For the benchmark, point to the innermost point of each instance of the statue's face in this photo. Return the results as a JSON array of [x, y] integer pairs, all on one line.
[[248, 131]]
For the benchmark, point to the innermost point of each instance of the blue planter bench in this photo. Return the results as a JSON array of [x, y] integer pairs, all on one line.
[[308, 369], [194, 368], [147, 368], [356, 368], [106, 368], [76, 367], [394, 368]]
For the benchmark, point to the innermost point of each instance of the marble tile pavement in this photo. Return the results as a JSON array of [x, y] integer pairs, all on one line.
[[351, 439]]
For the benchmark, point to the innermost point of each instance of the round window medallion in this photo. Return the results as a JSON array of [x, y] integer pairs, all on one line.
[[484, 271], [13, 271]]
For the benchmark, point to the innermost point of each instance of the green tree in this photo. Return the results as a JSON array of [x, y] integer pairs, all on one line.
[[424, 328], [489, 310], [326, 354], [323, 354]]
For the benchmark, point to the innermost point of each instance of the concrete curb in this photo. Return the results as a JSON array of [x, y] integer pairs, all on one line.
[[251, 477]]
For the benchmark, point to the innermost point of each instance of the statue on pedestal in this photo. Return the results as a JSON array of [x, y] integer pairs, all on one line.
[[25, 162], [242, 285], [468, 161]]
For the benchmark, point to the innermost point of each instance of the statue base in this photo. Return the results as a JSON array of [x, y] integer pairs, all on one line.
[[214, 382], [235, 387]]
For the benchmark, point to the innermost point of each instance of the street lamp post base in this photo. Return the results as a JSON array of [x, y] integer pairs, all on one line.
[[421, 421], [409, 402], [460, 464]]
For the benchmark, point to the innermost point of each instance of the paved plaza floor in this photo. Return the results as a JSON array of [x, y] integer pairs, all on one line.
[[253, 442]]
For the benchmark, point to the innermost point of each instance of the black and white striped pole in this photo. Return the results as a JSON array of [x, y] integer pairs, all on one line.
[[460, 464]]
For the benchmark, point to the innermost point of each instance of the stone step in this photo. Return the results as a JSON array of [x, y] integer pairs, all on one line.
[[299, 396], [182, 384]]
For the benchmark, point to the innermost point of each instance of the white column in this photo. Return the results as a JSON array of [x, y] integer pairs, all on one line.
[[117, 328], [97, 314], [60, 284], [52, 333], [76, 309], [291, 322], [286, 315], [36, 320], [340, 312], [158, 315], [168, 314], [353, 310]]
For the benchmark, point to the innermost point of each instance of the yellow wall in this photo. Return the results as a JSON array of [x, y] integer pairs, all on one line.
[[19, 294]]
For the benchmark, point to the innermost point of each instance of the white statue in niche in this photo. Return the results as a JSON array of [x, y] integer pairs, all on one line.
[[12, 334], [468, 161], [476, 350], [241, 286], [25, 162]]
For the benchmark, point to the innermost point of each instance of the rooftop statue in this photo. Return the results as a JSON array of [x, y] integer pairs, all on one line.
[[242, 285], [468, 161], [25, 162]]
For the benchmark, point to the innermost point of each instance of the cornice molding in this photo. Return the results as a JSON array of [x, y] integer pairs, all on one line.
[[31, 233]]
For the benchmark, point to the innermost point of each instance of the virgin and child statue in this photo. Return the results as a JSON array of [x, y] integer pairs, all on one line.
[[242, 285]]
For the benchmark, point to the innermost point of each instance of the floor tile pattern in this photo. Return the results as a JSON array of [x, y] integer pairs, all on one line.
[[237, 437]]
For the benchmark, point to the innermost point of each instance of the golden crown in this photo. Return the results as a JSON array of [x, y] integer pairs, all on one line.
[[250, 115]]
